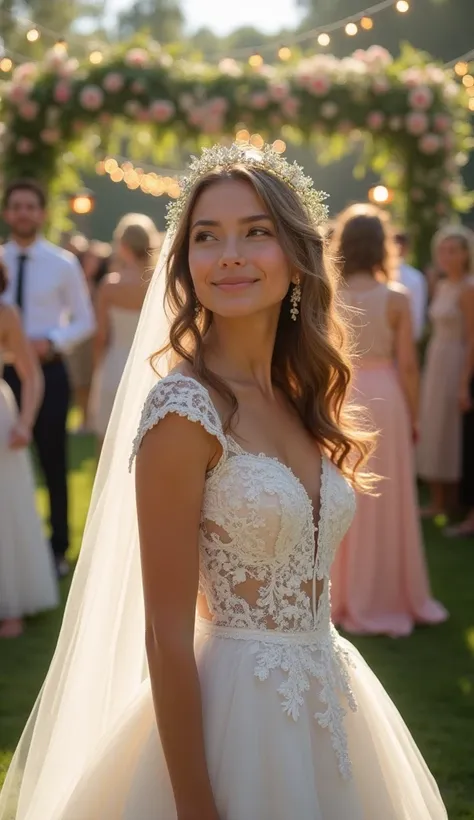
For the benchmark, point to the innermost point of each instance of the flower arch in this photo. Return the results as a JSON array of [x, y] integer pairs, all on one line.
[[410, 114]]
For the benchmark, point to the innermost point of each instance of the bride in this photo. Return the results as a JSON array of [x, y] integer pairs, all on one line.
[[209, 683]]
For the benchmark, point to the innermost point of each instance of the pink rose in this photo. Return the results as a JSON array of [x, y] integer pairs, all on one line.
[[24, 146], [217, 105], [319, 85], [416, 123], [17, 94], [429, 144], [113, 82], [55, 59], [29, 110], [360, 54], [161, 110], [290, 107], [420, 98], [442, 122], [329, 110], [136, 57], [375, 120], [62, 92], [230, 67], [91, 97], [259, 100], [378, 57], [25, 73], [68, 68], [412, 77], [50, 136], [279, 90]]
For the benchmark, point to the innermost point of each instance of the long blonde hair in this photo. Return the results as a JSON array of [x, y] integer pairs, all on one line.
[[462, 234], [140, 235], [310, 362]]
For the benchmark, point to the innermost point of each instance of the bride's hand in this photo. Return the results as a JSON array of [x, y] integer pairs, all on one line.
[[20, 436]]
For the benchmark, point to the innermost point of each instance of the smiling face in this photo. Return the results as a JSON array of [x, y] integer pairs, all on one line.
[[452, 256], [236, 262]]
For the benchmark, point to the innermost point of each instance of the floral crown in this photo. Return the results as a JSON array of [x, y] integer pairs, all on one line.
[[222, 157]]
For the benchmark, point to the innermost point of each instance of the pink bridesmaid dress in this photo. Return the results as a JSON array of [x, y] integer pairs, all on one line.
[[380, 582]]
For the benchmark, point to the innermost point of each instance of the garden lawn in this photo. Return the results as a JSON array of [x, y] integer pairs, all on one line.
[[430, 675]]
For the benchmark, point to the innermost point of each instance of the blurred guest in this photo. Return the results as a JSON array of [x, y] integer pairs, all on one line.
[[119, 302], [96, 264], [27, 574], [447, 372], [380, 583], [79, 360], [47, 285], [415, 283]]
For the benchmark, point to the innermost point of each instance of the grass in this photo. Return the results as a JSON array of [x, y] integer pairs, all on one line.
[[430, 676]]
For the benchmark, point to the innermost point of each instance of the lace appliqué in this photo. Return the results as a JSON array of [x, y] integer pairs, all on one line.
[[184, 396], [327, 663]]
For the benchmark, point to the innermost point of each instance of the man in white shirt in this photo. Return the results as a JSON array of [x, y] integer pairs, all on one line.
[[48, 286], [416, 284]]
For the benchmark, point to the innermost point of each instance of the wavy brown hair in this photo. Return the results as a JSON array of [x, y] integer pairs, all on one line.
[[311, 363], [363, 241]]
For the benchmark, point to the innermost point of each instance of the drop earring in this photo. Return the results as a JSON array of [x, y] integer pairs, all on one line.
[[295, 299]]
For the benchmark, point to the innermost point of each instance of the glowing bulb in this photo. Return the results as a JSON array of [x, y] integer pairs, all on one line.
[[367, 23], [32, 35], [96, 57], [60, 46], [461, 69], [6, 64], [82, 204], [402, 6], [380, 194], [256, 60], [351, 29], [117, 175], [468, 81], [324, 39], [284, 53], [279, 146], [110, 165]]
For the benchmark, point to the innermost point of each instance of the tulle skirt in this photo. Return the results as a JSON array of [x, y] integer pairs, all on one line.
[[380, 581], [263, 763]]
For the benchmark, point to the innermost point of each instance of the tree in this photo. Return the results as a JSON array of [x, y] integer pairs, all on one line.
[[162, 19]]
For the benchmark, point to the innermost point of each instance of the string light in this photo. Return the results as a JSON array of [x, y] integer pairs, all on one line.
[[471, 104], [6, 64], [380, 195], [284, 53], [468, 81], [255, 60], [96, 57], [60, 46], [461, 68], [134, 178], [324, 39], [32, 35], [402, 6], [367, 23], [351, 29]]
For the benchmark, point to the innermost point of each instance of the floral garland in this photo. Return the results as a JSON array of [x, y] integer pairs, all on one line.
[[412, 112]]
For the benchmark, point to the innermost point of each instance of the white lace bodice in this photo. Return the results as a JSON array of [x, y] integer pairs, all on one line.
[[258, 526], [264, 561]]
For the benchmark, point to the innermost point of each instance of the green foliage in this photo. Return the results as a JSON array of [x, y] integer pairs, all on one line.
[[166, 107]]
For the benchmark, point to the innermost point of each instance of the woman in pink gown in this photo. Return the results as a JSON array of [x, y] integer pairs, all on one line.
[[380, 582]]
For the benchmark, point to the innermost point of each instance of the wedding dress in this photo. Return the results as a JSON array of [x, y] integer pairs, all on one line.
[[28, 582], [296, 725]]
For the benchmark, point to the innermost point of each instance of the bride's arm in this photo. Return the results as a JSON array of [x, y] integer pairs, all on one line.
[[170, 475]]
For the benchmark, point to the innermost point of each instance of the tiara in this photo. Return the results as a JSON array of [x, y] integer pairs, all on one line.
[[267, 159]]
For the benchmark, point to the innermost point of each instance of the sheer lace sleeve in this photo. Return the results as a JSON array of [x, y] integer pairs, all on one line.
[[184, 396]]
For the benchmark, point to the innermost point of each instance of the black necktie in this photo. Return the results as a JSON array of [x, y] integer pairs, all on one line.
[[20, 280]]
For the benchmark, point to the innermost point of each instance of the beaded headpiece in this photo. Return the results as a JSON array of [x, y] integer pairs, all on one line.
[[223, 157]]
